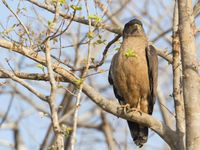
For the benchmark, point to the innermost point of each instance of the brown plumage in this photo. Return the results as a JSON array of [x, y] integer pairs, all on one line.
[[133, 74]]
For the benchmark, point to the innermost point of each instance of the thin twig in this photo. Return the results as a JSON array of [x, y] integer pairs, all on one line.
[[116, 30], [114, 20], [196, 9], [107, 130], [110, 28], [8, 110], [16, 16], [59, 144], [20, 81], [104, 55], [112, 107], [75, 117]]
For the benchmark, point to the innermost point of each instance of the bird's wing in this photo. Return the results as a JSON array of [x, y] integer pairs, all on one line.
[[110, 75], [152, 61], [111, 80]]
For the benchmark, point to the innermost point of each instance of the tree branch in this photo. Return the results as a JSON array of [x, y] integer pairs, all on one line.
[[112, 107], [76, 18], [16, 16], [59, 143], [196, 9], [83, 77], [110, 28], [177, 78], [20, 81], [107, 130], [33, 76]]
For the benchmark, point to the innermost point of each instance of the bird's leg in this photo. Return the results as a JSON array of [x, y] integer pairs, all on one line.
[[137, 109], [138, 104], [125, 107]]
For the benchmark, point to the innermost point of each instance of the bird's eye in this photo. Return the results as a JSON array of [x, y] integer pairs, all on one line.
[[132, 26]]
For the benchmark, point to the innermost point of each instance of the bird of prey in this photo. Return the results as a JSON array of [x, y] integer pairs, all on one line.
[[133, 74]]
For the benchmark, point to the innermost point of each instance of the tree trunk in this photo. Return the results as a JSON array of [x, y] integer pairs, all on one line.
[[191, 86]]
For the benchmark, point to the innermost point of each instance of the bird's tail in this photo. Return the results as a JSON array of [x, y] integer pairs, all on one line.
[[139, 133]]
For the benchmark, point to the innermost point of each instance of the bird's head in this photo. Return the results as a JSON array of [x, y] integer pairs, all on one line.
[[133, 28]]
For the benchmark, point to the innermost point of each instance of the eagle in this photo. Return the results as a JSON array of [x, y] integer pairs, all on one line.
[[134, 73]]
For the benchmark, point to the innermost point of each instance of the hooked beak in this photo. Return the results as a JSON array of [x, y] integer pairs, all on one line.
[[136, 26]]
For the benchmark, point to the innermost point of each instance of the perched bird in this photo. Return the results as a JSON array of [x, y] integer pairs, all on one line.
[[133, 74]]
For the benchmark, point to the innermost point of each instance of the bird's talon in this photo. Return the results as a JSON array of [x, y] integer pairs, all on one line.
[[125, 107], [134, 109]]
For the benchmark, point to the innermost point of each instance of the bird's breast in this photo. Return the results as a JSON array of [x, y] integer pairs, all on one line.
[[131, 73]]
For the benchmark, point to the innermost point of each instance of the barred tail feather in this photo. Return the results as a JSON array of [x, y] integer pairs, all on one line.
[[139, 133]]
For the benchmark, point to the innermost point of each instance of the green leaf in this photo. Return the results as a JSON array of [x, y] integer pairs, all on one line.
[[100, 36], [99, 41], [90, 35], [95, 18], [102, 71], [62, 2], [79, 82], [40, 67], [50, 24], [130, 53], [10, 29], [74, 7], [68, 131]]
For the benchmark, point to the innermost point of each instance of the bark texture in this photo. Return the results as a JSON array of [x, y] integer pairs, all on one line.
[[191, 86]]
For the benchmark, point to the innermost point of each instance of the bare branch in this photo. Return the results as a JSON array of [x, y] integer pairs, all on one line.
[[20, 81], [59, 144], [77, 19], [106, 127], [75, 118], [32, 76], [114, 20], [84, 21], [16, 16], [165, 132], [196, 9], [7, 111], [114, 108], [167, 115], [164, 54], [104, 54], [177, 78]]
